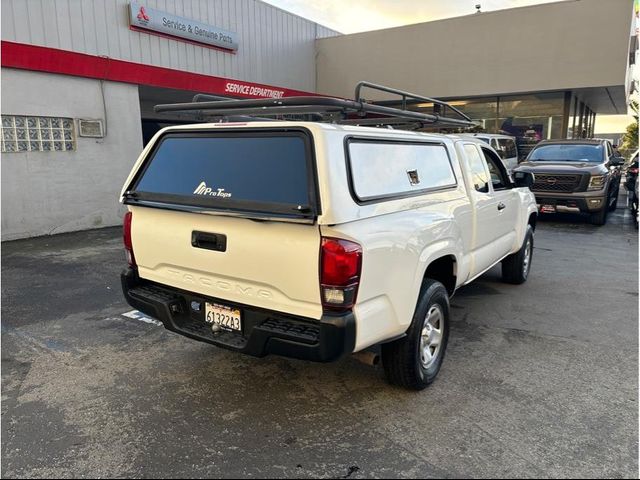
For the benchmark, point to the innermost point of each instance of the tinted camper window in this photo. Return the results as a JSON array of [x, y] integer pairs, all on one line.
[[247, 171]]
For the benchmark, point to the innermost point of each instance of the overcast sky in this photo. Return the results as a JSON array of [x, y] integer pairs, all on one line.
[[350, 16]]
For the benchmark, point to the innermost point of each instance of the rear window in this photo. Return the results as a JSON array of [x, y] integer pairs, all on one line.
[[384, 170], [567, 153], [262, 172], [507, 148]]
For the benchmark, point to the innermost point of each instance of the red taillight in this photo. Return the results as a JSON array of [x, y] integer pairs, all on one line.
[[126, 236], [633, 170], [340, 266]]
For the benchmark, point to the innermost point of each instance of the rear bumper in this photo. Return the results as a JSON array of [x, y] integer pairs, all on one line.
[[573, 203], [264, 332]]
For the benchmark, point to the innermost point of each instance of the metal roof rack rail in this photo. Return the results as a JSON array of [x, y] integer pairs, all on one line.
[[330, 109]]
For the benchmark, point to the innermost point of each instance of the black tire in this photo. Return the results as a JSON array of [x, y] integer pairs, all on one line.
[[632, 203], [516, 267], [599, 218], [403, 359]]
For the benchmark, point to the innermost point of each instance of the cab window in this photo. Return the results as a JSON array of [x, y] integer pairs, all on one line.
[[478, 169], [497, 172]]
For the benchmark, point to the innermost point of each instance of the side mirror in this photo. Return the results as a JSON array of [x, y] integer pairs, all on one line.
[[523, 179], [617, 161]]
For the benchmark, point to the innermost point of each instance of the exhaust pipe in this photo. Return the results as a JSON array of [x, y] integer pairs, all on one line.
[[367, 357]]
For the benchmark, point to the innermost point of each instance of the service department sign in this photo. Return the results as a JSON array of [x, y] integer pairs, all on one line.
[[141, 16]]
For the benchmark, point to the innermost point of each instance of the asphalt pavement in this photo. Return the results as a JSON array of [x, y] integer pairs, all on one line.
[[540, 380]]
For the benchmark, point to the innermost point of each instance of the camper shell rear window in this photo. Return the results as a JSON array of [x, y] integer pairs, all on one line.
[[254, 171]]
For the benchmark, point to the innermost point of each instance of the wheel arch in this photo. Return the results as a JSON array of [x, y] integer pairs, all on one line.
[[533, 220], [444, 269]]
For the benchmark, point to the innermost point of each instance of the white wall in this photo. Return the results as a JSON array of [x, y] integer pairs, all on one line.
[[275, 47], [55, 192]]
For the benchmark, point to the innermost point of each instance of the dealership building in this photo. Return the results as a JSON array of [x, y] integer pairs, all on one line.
[[80, 79]]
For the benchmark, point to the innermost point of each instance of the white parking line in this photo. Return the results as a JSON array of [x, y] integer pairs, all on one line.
[[136, 315]]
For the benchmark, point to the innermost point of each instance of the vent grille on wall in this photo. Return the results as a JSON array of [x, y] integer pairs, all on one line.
[[90, 128]]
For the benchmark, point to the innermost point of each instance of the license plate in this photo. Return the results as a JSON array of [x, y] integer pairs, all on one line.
[[224, 316], [548, 209]]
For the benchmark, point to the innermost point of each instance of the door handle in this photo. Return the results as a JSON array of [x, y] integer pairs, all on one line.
[[501, 206], [209, 241]]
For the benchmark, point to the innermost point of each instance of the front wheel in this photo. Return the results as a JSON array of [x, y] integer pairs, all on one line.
[[632, 203], [414, 360], [599, 218], [516, 267]]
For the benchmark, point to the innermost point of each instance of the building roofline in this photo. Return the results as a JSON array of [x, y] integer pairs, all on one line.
[[298, 16]]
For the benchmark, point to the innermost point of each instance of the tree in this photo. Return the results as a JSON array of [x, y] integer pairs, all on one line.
[[630, 138]]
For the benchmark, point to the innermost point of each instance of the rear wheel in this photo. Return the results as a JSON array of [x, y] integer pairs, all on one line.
[[515, 268], [414, 360]]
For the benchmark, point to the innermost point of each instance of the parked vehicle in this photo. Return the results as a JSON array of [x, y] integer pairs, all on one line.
[[503, 144], [314, 240], [631, 185], [637, 212], [575, 176]]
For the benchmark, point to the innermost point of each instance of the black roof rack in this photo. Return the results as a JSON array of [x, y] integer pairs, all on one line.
[[330, 109]]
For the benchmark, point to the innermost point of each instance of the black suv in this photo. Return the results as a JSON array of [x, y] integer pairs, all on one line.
[[575, 176], [631, 180]]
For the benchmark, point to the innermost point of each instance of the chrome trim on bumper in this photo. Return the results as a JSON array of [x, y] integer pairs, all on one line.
[[563, 209]]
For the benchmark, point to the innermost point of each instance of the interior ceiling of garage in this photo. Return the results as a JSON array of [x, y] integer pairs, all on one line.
[[152, 96]]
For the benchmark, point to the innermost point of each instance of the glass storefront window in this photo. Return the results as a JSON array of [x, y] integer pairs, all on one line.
[[530, 118], [536, 116], [481, 110]]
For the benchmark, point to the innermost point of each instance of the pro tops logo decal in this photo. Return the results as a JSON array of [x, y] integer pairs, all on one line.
[[202, 189]]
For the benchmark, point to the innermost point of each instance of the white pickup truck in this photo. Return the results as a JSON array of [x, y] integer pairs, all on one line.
[[316, 240]]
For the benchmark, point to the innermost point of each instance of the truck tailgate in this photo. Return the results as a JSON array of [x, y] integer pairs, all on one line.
[[272, 265], [230, 214]]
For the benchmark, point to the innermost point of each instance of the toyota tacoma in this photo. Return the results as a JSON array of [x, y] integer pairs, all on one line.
[[315, 240]]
